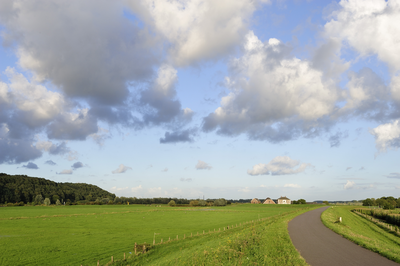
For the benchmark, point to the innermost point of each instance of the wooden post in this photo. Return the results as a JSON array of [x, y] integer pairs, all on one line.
[[169, 239], [219, 229], [161, 240], [124, 256], [112, 258], [144, 247], [98, 263], [135, 248], [184, 236], [214, 230], [176, 237]]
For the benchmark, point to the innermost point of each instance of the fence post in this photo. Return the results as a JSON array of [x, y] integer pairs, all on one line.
[[98, 263], [124, 256], [135, 249], [144, 247], [176, 237], [112, 258], [169, 239], [184, 236], [161, 240]]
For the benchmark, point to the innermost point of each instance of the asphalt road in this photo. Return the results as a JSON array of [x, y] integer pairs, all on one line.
[[320, 246]]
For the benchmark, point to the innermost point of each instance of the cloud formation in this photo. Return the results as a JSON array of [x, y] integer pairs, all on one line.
[[349, 184], [77, 165], [30, 165], [292, 185], [203, 166], [280, 165], [50, 162], [121, 169], [394, 175], [178, 136], [65, 172], [387, 136], [273, 95]]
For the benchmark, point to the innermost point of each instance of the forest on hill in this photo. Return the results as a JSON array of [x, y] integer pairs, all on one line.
[[22, 188]]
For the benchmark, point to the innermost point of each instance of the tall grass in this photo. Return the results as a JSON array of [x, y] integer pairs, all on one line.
[[390, 216]]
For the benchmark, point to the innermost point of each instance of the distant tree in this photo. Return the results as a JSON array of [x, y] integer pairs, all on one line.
[[368, 202], [302, 201], [220, 202], [172, 203], [46, 201], [202, 203], [58, 203], [105, 200], [326, 202], [228, 202], [194, 203], [38, 199]]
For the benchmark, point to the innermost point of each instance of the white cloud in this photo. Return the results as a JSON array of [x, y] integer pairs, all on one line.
[[370, 26], [349, 185], [154, 192], [387, 136], [65, 172], [121, 169], [292, 185], [198, 30], [280, 165], [119, 188], [273, 96], [202, 165]]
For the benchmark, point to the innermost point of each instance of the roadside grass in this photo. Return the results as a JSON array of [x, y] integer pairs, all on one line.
[[75, 235], [264, 242], [362, 232]]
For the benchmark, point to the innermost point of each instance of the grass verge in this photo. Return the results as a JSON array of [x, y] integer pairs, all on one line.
[[362, 232]]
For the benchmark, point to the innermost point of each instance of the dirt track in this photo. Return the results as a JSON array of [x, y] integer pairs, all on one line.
[[320, 246]]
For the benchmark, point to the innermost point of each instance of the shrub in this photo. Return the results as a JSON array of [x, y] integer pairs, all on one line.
[[58, 203], [39, 199], [202, 203], [46, 201], [220, 202], [172, 203]]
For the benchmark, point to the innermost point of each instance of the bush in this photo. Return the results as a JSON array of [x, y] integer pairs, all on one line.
[[220, 202], [39, 199], [202, 203], [172, 203], [58, 203], [46, 201]]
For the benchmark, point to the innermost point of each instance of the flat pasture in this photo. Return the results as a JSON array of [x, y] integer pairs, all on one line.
[[75, 235]]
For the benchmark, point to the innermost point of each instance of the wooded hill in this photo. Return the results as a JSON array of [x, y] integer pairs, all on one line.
[[17, 188]]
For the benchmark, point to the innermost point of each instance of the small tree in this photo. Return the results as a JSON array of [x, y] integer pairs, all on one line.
[[302, 201], [39, 199], [202, 202], [172, 203], [46, 201], [58, 203], [220, 202]]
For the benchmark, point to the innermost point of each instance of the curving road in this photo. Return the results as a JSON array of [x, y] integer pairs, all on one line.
[[319, 245]]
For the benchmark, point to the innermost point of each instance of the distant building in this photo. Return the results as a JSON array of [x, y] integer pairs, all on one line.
[[269, 201], [255, 201], [284, 200]]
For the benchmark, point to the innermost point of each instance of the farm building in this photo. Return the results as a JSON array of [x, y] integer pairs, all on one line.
[[255, 201], [269, 201], [284, 200]]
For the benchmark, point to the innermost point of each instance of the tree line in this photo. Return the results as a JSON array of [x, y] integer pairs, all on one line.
[[387, 203], [25, 189]]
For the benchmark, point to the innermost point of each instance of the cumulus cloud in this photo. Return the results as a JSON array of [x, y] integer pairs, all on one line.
[[121, 169], [65, 172], [369, 27], [273, 96], [394, 175], [77, 165], [202, 165], [280, 165], [292, 185], [30, 165], [387, 136], [14, 151], [158, 102], [52, 148], [197, 30], [50, 162], [349, 185], [178, 136]]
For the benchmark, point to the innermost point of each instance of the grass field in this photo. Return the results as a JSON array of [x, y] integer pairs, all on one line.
[[362, 232], [75, 235]]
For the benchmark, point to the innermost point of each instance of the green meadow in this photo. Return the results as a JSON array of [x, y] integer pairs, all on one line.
[[75, 235], [362, 231]]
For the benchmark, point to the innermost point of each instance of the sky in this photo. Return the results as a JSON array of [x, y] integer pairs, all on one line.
[[202, 98]]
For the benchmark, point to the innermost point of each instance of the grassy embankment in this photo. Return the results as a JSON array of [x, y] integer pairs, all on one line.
[[264, 242], [362, 232], [75, 235]]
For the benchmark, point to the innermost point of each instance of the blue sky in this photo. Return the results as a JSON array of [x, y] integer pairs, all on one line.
[[201, 98]]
